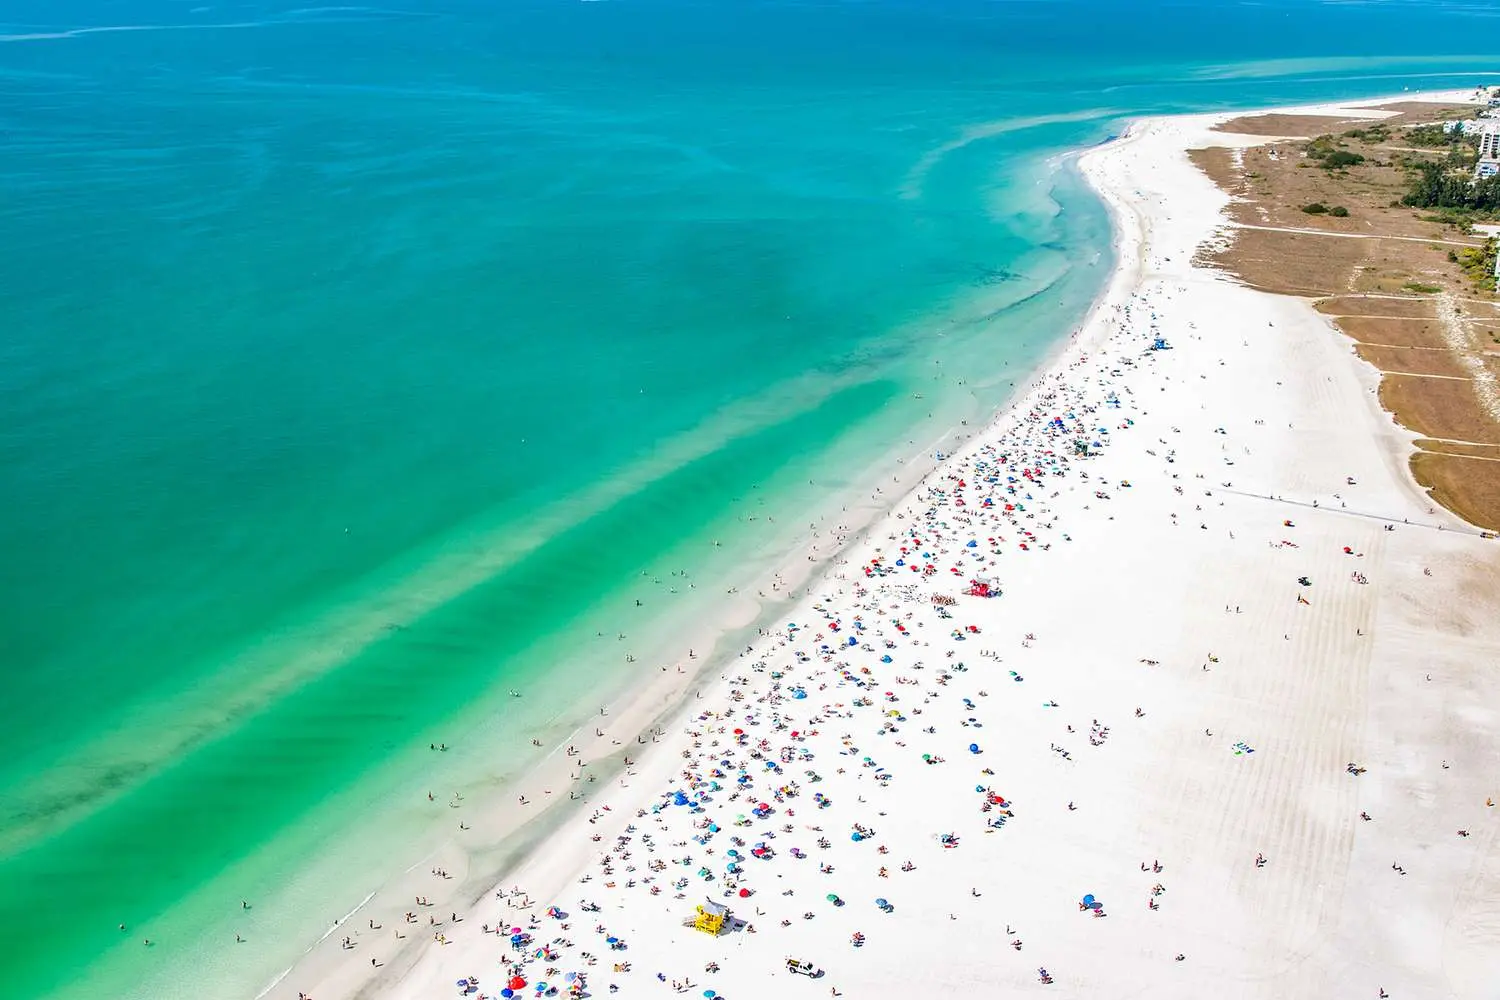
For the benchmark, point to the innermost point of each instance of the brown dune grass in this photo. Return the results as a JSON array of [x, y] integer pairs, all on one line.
[[1376, 289]]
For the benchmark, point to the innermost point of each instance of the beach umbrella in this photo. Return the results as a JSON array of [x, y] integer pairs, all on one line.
[[507, 993], [570, 977], [517, 983], [744, 893]]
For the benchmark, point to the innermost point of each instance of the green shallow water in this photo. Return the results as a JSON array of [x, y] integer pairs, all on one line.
[[358, 365], [209, 806]]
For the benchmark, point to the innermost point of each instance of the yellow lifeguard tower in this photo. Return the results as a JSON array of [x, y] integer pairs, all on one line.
[[711, 917]]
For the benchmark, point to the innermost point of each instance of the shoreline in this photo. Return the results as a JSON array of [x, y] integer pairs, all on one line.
[[546, 877], [645, 704]]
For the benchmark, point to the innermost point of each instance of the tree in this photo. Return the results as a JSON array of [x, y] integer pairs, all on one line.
[[1437, 187]]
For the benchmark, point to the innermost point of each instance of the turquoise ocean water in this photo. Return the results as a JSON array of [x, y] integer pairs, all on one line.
[[360, 364]]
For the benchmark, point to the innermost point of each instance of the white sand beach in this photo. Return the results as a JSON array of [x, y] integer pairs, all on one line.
[[1236, 685]]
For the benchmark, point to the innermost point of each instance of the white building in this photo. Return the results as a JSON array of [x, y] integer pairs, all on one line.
[[1489, 151], [1489, 141]]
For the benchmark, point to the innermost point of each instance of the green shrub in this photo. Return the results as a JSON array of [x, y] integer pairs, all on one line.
[[1316, 208], [1339, 212], [1433, 136], [1478, 263], [1341, 158]]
